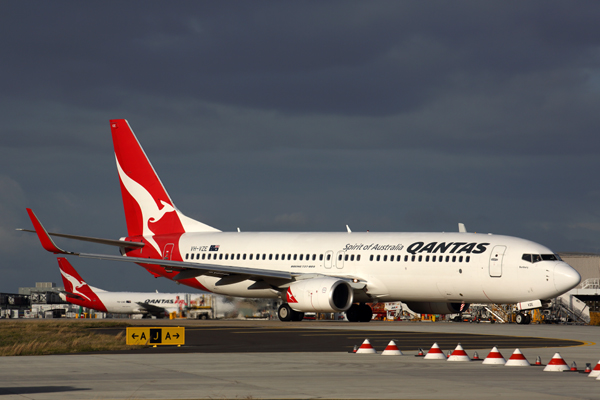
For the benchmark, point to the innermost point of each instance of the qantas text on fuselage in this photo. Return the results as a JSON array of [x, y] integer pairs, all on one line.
[[322, 272]]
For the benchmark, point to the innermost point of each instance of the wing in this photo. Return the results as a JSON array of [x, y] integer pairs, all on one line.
[[152, 309], [230, 274]]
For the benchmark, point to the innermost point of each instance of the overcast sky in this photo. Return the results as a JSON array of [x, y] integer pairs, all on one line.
[[299, 116]]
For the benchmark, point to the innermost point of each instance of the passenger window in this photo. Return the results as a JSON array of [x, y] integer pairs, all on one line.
[[358, 257], [468, 259], [453, 258], [320, 257], [276, 257], [244, 256], [198, 256], [186, 256], [433, 258], [385, 258], [460, 258], [391, 258], [352, 257], [226, 256], [295, 257], [412, 258], [420, 258], [328, 257], [290, 257], [346, 257], [427, 258], [270, 256], [204, 256], [340, 257], [264, 256], [371, 258], [220, 256], [378, 257], [307, 257], [447, 258], [405, 258], [250, 256], [300, 257]]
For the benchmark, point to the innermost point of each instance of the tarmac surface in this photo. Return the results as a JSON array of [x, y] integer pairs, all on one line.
[[270, 359]]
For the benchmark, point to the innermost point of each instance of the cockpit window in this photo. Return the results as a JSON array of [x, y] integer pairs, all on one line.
[[543, 257]]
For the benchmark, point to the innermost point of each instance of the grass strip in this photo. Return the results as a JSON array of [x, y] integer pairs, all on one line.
[[23, 338]]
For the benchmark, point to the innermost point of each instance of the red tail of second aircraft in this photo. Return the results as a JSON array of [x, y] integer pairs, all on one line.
[[78, 291]]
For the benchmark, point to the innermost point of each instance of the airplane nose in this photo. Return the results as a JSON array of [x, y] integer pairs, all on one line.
[[565, 277]]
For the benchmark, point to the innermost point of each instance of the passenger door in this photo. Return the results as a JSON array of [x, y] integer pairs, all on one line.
[[496, 261]]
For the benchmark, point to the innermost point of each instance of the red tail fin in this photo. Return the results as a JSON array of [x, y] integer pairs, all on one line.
[[78, 291], [148, 208]]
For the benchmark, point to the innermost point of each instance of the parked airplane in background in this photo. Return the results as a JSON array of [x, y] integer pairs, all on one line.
[[320, 272], [78, 292]]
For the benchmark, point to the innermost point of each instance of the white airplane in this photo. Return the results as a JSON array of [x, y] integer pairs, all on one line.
[[320, 272], [78, 292]]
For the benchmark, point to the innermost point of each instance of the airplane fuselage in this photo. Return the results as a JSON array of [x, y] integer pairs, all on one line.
[[437, 267]]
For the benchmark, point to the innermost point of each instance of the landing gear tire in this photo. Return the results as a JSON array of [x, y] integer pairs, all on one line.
[[523, 319], [297, 316], [359, 313], [365, 313], [284, 312], [352, 314]]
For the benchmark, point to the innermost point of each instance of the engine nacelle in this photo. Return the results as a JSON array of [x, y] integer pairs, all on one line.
[[320, 295], [425, 307]]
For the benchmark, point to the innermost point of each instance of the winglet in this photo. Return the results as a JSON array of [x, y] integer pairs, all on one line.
[[47, 242]]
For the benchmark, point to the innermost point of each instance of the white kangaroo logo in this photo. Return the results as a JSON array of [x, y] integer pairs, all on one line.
[[150, 211], [75, 283]]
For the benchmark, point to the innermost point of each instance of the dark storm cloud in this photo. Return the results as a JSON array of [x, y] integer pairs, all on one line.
[[401, 116]]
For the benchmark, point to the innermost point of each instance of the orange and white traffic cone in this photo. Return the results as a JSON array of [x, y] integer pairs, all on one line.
[[494, 358], [435, 353], [391, 350], [459, 354], [366, 348], [573, 367], [557, 364], [517, 360]]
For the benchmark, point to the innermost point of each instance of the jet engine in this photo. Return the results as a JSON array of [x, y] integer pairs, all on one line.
[[425, 307], [320, 295]]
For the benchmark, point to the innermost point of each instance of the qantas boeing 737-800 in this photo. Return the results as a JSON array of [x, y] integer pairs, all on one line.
[[319, 272]]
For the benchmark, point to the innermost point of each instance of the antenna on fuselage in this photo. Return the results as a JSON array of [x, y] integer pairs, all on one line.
[[462, 228], [348, 228]]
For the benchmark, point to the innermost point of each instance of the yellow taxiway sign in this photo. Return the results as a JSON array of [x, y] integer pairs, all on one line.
[[164, 335]]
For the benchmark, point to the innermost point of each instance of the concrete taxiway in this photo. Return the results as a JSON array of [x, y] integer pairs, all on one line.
[[311, 374]]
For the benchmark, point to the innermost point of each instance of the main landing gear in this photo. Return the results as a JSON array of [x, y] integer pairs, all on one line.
[[522, 318], [359, 313], [285, 313]]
